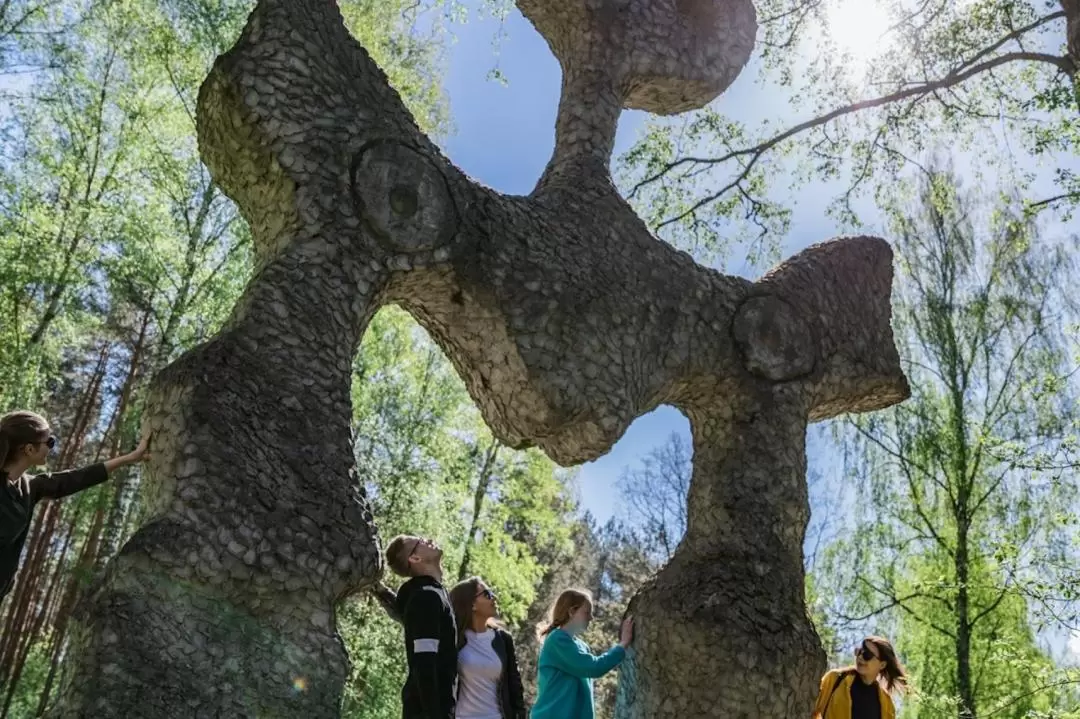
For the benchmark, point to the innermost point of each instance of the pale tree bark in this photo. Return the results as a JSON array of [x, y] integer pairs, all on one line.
[[1072, 30], [566, 320]]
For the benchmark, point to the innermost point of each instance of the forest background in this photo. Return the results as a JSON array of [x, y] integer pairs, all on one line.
[[950, 127]]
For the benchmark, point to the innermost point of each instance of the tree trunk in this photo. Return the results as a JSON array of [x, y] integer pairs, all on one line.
[[126, 485], [565, 318], [82, 568], [482, 484], [964, 682], [1072, 42], [22, 624], [88, 560], [1072, 29], [42, 608]]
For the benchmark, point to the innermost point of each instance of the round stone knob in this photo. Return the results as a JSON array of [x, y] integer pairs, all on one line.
[[775, 341], [689, 53], [662, 56], [402, 197]]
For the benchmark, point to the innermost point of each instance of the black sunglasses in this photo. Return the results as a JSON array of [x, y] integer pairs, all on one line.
[[50, 442], [865, 653], [487, 593]]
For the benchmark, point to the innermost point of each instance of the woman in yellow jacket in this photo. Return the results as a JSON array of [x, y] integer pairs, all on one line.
[[863, 691]]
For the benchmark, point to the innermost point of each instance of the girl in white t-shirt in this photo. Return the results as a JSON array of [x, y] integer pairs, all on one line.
[[489, 684]]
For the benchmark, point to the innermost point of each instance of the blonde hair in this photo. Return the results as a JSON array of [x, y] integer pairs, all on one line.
[[568, 602]]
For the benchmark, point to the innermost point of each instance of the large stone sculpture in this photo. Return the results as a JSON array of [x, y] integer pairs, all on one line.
[[566, 319]]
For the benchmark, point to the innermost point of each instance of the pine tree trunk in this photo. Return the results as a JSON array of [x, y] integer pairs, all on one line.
[[87, 562], [126, 486], [1072, 29], [83, 567], [32, 598], [40, 610]]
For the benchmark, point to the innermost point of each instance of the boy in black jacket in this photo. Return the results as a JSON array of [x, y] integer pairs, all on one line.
[[430, 630]]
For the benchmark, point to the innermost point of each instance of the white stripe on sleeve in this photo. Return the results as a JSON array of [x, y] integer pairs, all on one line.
[[425, 646]]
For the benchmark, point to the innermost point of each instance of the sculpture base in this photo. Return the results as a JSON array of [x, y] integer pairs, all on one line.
[[151, 645]]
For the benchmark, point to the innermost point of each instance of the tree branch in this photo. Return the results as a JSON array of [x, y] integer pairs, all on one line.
[[1054, 200], [897, 602], [959, 75], [1033, 692]]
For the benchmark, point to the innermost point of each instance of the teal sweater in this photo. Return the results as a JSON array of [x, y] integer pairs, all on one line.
[[564, 677]]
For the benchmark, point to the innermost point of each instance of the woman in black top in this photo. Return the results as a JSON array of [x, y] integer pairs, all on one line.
[[25, 441], [863, 691]]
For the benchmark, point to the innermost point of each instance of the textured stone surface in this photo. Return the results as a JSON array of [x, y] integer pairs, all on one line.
[[662, 56], [565, 318]]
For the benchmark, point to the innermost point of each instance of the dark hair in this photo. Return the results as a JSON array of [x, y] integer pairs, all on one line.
[[894, 676], [462, 599], [18, 429], [568, 602], [397, 558]]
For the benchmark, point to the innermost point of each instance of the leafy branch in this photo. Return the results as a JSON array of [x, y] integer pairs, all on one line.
[[982, 62]]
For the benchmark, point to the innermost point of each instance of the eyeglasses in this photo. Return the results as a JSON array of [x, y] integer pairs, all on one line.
[[487, 593], [865, 653], [414, 546], [50, 442]]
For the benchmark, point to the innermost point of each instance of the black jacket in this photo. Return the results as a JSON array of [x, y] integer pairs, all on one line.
[[17, 500], [511, 693], [431, 649]]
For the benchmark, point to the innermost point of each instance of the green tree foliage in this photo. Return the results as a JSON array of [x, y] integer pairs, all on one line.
[[959, 539], [992, 78]]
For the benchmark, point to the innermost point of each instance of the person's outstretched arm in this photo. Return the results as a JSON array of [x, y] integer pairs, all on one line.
[[387, 599], [139, 454], [570, 657], [422, 616], [55, 485]]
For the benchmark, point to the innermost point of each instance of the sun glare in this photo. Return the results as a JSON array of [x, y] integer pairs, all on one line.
[[859, 28]]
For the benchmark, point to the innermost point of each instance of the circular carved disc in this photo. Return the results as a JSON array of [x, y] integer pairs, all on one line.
[[403, 197], [775, 340]]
